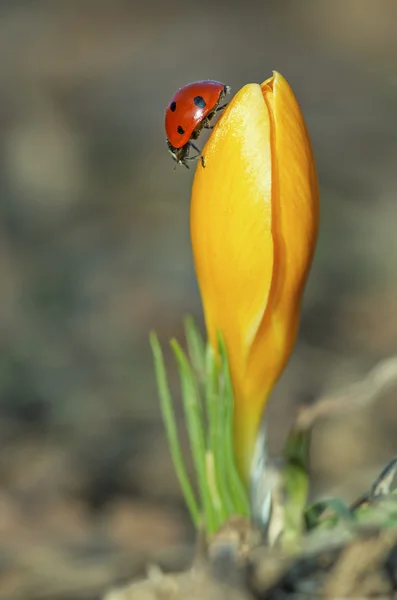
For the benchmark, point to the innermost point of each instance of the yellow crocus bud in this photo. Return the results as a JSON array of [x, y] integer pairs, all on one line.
[[254, 220]]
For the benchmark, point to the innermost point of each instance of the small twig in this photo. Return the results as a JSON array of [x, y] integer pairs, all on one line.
[[380, 379]]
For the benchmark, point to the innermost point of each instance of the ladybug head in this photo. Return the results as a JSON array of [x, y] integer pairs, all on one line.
[[179, 154]]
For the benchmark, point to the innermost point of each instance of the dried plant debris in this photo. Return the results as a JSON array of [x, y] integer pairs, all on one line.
[[332, 565], [350, 552], [381, 379], [196, 584], [363, 567]]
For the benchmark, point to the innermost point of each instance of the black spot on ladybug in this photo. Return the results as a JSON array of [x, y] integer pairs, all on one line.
[[173, 106], [181, 130], [199, 101]]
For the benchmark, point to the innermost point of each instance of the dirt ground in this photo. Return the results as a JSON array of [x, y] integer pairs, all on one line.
[[95, 252]]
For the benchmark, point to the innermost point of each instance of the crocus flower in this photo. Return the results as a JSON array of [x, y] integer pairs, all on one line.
[[254, 220]]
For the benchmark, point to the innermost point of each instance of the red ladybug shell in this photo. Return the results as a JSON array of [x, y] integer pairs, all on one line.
[[189, 107]]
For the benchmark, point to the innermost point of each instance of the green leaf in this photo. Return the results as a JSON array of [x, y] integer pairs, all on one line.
[[330, 510], [296, 484], [237, 489], [196, 348], [209, 426], [171, 430], [194, 422], [215, 433]]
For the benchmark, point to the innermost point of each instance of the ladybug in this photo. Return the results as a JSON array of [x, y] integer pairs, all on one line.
[[190, 110]]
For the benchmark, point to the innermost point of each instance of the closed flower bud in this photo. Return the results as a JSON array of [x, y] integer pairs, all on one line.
[[254, 221]]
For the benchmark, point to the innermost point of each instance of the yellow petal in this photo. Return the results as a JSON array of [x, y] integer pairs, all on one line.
[[231, 223], [253, 222]]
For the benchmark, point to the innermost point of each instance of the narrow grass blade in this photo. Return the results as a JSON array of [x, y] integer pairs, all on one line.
[[171, 430], [195, 428], [237, 488], [211, 398], [215, 430], [196, 348], [219, 515], [218, 426]]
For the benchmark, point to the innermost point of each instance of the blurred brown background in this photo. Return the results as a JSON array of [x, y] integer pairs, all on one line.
[[95, 252]]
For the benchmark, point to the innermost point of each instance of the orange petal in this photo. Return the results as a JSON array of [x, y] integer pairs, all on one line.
[[295, 224]]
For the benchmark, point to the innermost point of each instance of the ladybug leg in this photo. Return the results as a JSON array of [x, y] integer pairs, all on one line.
[[206, 124], [196, 156], [210, 116], [195, 148], [221, 107]]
